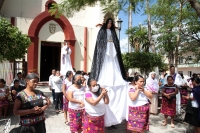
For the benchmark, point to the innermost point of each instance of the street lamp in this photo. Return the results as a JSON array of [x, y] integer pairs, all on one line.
[[119, 22]]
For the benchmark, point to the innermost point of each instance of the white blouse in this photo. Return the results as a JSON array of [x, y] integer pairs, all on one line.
[[98, 109], [78, 94], [194, 102], [109, 35], [140, 100]]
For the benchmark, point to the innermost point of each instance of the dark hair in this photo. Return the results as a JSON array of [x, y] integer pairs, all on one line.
[[89, 74], [78, 72], [74, 69], [19, 73], [181, 75], [3, 81], [165, 74], [32, 76], [74, 77], [90, 81], [84, 73], [196, 80], [138, 77], [131, 79], [171, 66], [68, 74], [16, 81], [194, 75], [106, 23], [168, 77]]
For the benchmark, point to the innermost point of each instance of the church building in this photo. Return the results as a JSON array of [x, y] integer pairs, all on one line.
[[49, 34]]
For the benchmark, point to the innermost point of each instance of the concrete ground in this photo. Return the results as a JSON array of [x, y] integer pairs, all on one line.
[[55, 122]]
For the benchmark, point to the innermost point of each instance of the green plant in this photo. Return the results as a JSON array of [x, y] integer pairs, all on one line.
[[13, 43], [145, 61]]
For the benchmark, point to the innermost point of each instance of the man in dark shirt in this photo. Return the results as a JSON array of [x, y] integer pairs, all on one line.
[[16, 89]]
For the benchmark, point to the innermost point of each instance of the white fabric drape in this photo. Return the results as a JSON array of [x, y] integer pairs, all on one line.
[[110, 77]]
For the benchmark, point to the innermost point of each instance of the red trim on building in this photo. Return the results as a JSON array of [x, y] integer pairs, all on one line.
[[33, 33], [85, 50]]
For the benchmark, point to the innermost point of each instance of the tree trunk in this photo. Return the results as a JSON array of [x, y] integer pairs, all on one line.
[[179, 32], [152, 44], [1, 4], [195, 5], [129, 25]]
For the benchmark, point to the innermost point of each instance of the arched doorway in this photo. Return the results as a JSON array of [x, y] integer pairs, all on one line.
[[33, 32]]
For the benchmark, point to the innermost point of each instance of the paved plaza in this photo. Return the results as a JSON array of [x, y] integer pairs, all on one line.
[[55, 122]]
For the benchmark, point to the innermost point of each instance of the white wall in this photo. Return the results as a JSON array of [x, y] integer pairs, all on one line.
[[23, 8], [89, 17]]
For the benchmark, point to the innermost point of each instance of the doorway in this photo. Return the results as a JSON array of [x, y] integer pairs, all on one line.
[[49, 59]]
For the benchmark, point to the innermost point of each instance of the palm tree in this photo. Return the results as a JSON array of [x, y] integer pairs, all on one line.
[[139, 38]]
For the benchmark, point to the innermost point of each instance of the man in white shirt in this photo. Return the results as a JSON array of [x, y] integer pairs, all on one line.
[[57, 84], [179, 82], [51, 87], [21, 80]]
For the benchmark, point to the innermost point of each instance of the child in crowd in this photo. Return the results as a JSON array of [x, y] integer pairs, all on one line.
[[95, 102], [16, 89], [75, 95], [66, 84], [169, 100]]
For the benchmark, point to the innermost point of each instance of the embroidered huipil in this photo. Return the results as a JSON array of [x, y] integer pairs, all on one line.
[[29, 102]]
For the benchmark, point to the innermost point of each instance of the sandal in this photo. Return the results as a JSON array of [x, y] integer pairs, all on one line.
[[172, 125], [164, 123], [66, 123]]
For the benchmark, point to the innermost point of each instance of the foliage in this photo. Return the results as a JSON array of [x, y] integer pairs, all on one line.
[[70, 7], [13, 43], [139, 38], [145, 61]]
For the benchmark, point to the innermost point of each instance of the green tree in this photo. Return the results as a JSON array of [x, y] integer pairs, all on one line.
[[13, 43], [139, 38], [145, 61]]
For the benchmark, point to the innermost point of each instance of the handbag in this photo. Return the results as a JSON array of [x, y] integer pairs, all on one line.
[[189, 108]]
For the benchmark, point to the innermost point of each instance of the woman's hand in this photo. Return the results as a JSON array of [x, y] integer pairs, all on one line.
[[81, 105], [104, 92], [36, 110]]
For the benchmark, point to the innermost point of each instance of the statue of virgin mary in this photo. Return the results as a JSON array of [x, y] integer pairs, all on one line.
[[65, 61], [108, 70]]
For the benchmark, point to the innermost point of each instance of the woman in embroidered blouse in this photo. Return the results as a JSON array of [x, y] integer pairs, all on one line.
[[66, 84], [30, 105], [4, 92], [169, 100], [75, 95], [138, 115], [95, 104]]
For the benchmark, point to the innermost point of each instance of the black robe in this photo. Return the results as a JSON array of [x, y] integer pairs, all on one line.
[[100, 52]]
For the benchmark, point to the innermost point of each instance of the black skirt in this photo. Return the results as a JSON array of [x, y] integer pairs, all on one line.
[[192, 119]]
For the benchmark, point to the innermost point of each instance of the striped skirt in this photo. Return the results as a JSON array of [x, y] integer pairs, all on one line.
[[138, 118], [76, 119], [65, 103], [93, 124]]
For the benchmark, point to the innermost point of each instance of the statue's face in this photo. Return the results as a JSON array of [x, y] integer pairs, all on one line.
[[109, 24]]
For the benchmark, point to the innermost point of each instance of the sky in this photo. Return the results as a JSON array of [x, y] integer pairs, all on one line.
[[136, 20]]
